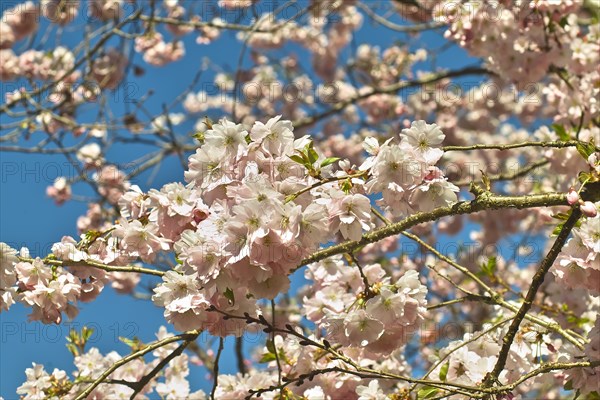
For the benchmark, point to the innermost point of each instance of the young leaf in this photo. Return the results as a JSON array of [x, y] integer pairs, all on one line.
[[561, 216], [329, 161], [561, 132], [270, 346], [426, 392], [134, 343], [297, 159], [267, 357], [312, 155], [585, 149], [586, 177], [557, 230], [72, 349], [444, 371], [489, 268], [86, 333]]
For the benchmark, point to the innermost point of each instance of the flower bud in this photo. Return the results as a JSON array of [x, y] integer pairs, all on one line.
[[572, 196], [589, 209]]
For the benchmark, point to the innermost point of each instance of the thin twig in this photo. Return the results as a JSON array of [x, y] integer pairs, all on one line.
[[216, 370], [190, 335]]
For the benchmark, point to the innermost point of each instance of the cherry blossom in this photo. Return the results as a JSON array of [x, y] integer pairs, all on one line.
[[364, 219]]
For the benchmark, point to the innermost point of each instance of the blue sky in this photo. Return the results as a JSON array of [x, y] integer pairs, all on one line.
[[28, 218]]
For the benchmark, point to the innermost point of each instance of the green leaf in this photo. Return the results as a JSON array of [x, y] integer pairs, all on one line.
[[561, 132], [270, 346], [72, 349], [270, 355], [267, 357], [592, 395], [585, 177], [133, 343], [557, 230], [230, 296], [444, 371], [329, 161], [569, 385], [585, 150], [312, 155], [577, 320], [561, 216], [593, 8], [489, 268], [86, 333], [426, 392], [199, 136], [297, 159]]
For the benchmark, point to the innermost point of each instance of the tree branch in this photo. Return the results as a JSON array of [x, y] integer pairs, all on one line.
[[484, 201], [96, 264], [139, 386], [216, 369], [340, 106], [190, 335], [536, 282]]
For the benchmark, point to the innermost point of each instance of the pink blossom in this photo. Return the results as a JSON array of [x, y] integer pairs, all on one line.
[[588, 209], [141, 240], [276, 136], [353, 215], [23, 19], [60, 12], [9, 65], [424, 138], [105, 9], [361, 329], [60, 191], [184, 305], [572, 196], [111, 183], [163, 53], [8, 278], [124, 282]]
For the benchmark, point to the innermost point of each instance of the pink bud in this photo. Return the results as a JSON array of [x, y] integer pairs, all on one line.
[[588, 209], [572, 196]]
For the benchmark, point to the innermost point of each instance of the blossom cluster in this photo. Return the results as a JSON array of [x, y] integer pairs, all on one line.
[[297, 359], [578, 265], [380, 317], [90, 365], [522, 29], [523, 41], [258, 201], [256, 221], [467, 361], [50, 289]]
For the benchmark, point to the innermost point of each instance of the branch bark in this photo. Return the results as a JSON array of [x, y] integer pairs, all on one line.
[[96, 264], [536, 282], [483, 201], [340, 106], [188, 336]]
